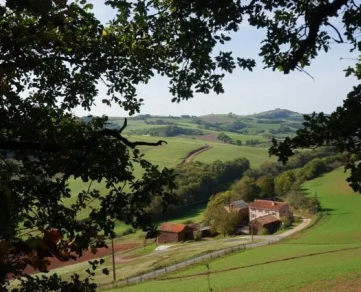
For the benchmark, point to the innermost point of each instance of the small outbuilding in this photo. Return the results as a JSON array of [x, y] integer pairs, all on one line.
[[206, 231], [240, 207], [172, 232], [269, 222]]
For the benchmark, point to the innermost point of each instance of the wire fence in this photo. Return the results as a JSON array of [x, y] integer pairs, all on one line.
[[196, 260], [163, 271]]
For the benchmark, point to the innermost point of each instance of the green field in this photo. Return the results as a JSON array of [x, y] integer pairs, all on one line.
[[255, 155], [169, 155], [324, 257], [254, 124]]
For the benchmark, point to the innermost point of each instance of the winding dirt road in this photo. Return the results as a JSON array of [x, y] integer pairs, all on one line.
[[193, 154]]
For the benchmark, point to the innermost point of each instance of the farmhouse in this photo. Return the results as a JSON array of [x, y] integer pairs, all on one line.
[[171, 232], [260, 208], [240, 207], [269, 222]]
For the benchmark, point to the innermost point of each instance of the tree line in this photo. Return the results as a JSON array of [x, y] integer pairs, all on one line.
[[227, 139], [167, 131], [197, 181], [273, 181]]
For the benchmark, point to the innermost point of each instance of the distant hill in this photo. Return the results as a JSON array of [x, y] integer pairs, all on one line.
[[279, 114], [256, 130]]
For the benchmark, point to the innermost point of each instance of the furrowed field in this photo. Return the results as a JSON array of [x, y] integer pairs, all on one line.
[[324, 257]]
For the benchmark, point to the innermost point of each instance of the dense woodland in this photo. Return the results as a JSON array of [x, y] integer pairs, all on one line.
[[196, 181]]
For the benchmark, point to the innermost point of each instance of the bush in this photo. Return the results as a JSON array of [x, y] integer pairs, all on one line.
[[263, 231], [221, 221], [187, 222], [197, 235], [287, 221], [299, 201], [128, 231]]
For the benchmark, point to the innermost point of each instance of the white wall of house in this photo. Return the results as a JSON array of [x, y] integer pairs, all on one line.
[[256, 213]]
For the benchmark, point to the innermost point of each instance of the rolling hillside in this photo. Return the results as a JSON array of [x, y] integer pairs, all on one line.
[[252, 132], [262, 125], [324, 257]]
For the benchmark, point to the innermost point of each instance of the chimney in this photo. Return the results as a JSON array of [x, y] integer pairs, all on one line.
[[273, 203]]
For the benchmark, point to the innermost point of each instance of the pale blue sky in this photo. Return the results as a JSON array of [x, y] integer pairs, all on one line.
[[248, 92]]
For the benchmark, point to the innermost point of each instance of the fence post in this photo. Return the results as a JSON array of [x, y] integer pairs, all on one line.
[[141, 279], [165, 270]]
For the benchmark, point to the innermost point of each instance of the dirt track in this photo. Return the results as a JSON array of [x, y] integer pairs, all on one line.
[[191, 155]]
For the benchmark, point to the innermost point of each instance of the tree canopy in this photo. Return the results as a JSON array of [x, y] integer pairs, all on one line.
[[55, 53]]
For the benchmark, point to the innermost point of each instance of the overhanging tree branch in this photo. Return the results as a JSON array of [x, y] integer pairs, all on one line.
[[317, 18], [340, 40]]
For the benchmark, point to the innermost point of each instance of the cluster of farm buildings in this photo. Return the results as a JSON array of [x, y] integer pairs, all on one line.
[[253, 217]]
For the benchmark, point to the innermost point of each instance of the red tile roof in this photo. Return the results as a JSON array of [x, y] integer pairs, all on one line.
[[265, 219], [171, 227], [266, 205]]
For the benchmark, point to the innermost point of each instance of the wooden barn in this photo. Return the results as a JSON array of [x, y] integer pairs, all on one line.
[[270, 222], [171, 232]]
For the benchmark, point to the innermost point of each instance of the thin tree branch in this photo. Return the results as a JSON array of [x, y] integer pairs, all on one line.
[[79, 145], [340, 41], [124, 125], [304, 71], [317, 18]]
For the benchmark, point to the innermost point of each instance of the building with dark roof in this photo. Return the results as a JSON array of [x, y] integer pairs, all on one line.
[[240, 207], [172, 232], [269, 222]]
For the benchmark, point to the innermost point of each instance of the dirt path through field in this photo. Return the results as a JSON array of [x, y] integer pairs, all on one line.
[[193, 154]]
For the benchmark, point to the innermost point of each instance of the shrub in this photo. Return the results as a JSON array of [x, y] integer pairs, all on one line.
[[263, 231], [197, 235], [128, 231], [187, 222], [286, 221], [299, 201]]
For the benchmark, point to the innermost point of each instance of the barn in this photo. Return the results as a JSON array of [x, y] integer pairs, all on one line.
[[172, 232], [269, 222]]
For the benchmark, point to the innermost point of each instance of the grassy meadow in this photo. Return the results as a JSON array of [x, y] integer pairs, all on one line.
[[323, 257], [256, 156], [173, 153]]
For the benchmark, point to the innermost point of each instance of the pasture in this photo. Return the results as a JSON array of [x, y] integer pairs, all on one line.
[[324, 257], [169, 155], [256, 156]]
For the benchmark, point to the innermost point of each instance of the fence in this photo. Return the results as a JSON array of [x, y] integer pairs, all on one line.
[[159, 272]]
